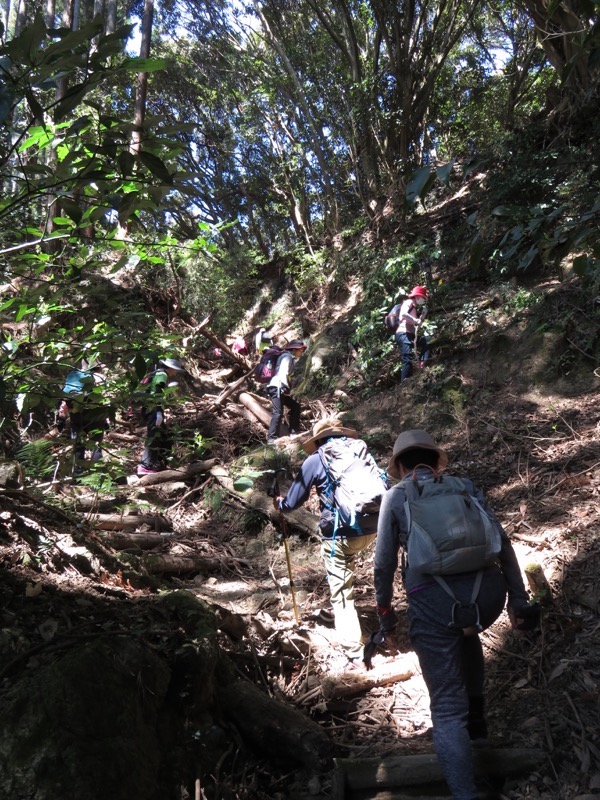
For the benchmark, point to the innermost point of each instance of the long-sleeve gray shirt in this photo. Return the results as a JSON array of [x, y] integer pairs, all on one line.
[[392, 534]]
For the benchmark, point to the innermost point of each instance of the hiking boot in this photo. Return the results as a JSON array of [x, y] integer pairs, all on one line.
[[142, 470], [271, 440]]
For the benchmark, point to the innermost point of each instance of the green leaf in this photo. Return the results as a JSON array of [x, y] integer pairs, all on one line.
[[444, 172], [243, 484], [72, 209], [580, 265], [417, 185], [144, 64], [156, 166], [140, 366]]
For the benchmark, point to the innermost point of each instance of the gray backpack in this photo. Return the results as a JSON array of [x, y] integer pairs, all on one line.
[[449, 532], [356, 484]]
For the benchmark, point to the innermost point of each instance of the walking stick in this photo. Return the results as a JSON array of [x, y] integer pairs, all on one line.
[[274, 492]]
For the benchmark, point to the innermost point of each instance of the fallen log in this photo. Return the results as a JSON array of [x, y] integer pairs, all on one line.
[[118, 522], [181, 474], [301, 519], [254, 405], [204, 331], [279, 730], [137, 541], [231, 389], [350, 683], [159, 564], [93, 503], [400, 771]]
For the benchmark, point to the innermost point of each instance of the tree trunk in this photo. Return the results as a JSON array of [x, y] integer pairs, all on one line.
[[399, 771], [171, 565], [277, 729], [141, 92], [115, 522], [177, 474]]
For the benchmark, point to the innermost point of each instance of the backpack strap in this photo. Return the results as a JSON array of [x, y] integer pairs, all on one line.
[[472, 604]]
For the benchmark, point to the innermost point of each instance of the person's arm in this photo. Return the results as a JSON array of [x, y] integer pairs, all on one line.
[[407, 316], [386, 551], [517, 594], [299, 491]]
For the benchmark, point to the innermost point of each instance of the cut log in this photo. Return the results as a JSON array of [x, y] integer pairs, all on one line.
[[167, 475], [119, 522], [137, 541], [253, 404], [538, 584], [301, 519], [158, 564], [279, 730], [349, 683], [398, 771]]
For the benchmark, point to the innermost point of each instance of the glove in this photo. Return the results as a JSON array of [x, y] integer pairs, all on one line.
[[388, 620], [526, 617], [375, 639]]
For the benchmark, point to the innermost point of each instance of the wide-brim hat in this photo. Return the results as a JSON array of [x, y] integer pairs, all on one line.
[[409, 440], [172, 363], [295, 344], [325, 428]]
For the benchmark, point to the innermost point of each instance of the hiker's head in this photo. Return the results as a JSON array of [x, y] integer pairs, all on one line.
[[172, 364], [413, 448], [419, 295], [296, 347], [323, 430]]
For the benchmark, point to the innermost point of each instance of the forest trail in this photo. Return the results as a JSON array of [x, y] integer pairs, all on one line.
[[536, 456]]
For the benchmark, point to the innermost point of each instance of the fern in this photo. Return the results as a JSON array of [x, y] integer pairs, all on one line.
[[37, 459]]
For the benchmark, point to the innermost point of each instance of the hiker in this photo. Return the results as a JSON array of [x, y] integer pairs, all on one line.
[[262, 341], [445, 614], [158, 437], [86, 414], [411, 315], [278, 390], [238, 345], [350, 486]]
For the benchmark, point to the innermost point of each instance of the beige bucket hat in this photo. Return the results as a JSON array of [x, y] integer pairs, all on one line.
[[325, 428], [409, 440]]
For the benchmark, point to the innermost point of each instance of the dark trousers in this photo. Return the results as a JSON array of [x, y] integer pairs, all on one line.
[[158, 440], [406, 343], [85, 423], [453, 669], [280, 401]]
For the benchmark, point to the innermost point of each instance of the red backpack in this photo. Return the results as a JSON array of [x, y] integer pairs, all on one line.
[[267, 366]]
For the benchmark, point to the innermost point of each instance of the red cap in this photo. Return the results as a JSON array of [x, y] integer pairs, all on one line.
[[419, 291]]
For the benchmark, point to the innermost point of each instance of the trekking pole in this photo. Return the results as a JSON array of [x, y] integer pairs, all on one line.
[[274, 492]]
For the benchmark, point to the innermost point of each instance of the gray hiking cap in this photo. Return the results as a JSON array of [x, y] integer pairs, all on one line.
[[172, 363], [409, 440]]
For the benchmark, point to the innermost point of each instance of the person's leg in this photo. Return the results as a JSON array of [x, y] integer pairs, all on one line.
[[339, 555], [294, 407], [438, 649], [407, 348], [277, 403], [76, 433], [157, 441], [424, 350]]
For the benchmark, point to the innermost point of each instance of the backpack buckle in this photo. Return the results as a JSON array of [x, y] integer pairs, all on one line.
[[465, 617]]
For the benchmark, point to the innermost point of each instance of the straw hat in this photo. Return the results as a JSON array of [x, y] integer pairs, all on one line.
[[408, 440], [325, 428]]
